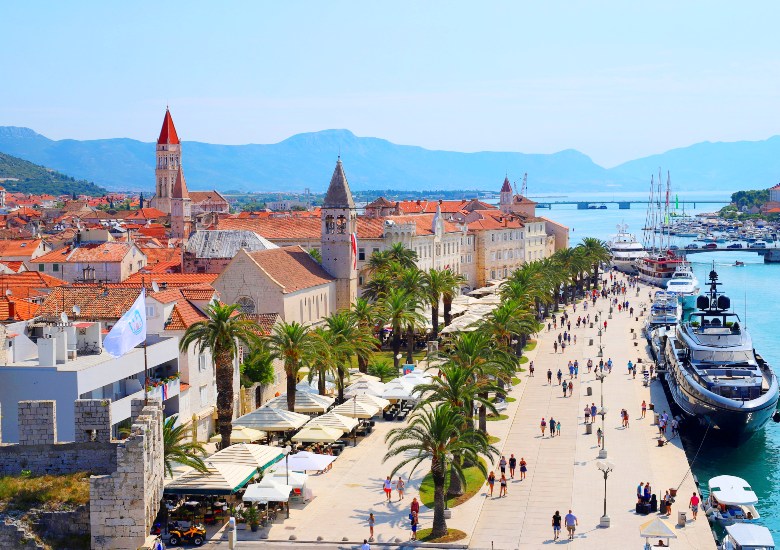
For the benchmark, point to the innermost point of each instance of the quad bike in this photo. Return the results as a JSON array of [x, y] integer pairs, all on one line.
[[195, 534]]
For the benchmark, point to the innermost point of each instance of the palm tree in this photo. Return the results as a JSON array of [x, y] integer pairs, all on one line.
[[323, 361], [399, 309], [511, 319], [434, 284], [383, 370], [379, 261], [365, 314], [378, 286], [406, 257], [450, 291], [179, 448], [348, 339], [435, 433], [221, 332], [597, 252], [295, 345], [412, 281]]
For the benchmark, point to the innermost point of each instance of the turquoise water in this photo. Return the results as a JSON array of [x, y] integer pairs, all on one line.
[[755, 295]]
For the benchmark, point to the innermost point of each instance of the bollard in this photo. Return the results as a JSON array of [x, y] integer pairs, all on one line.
[[656, 416], [682, 519], [590, 342], [589, 391], [589, 428]]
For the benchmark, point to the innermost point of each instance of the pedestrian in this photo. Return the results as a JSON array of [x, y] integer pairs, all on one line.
[[502, 464], [599, 434], [590, 365], [571, 388], [512, 466], [644, 408], [491, 480], [531, 369], [371, 522], [565, 387], [556, 525], [388, 488], [399, 486], [648, 494], [365, 545], [694, 504], [560, 337], [560, 376], [667, 503], [415, 508], [609, 365], [593, 411], [543, 426], [587, 414], [571, 370], [558, 428], [563, 347], [414, 521], [555, 347], [524, 468], [571, 524], [552, 427], [630, 367], [625, 417], [576, 369], [549, 377], [605, 326], [575, 339], [502, 490], [549, 326], [640, 492], [675, 426]]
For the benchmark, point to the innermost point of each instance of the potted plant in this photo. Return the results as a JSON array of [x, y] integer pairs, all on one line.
[[252, 517]]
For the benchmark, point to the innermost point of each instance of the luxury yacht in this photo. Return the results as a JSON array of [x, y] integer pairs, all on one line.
[[685, 284], [665, 311], [625, 249]]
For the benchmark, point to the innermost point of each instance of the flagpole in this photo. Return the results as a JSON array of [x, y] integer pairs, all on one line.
[[146, 359]]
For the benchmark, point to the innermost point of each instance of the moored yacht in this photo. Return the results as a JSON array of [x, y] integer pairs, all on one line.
[[625, 249], [747, 536], [715, 375], [665, 311], [685, 284], [731, 501]]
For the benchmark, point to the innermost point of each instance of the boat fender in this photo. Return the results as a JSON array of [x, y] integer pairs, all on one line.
[[776, 416]]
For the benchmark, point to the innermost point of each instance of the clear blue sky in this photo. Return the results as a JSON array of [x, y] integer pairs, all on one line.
[[615, 80]]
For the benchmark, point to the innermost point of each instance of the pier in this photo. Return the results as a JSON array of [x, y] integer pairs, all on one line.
[[622, 205]]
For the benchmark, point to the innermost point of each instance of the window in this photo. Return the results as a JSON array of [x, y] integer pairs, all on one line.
[[150, 311], [202, 362], [362, 254], [360, 280], [204, 392], [468, 258], [55, 267], [373, 250], [246, 305], [40, 267]]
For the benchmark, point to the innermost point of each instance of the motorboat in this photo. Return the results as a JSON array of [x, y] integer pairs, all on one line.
[[739, 264], [747, 536], [685, 284], [715, 375], [731, 501], [625, 250], [658, 269], [665, 311]]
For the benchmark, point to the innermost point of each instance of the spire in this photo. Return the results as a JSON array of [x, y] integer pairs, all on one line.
[[168, 132], [338, 195], [180, 187], [507, 187]]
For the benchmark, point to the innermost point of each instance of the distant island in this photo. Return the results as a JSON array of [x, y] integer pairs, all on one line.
[[18, 175]]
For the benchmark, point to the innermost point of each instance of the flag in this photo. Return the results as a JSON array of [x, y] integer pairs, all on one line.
[[676, 202], [130, 330], [353, 240]]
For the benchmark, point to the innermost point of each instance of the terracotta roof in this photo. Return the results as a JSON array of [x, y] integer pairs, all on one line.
[[174, 266], [775, 188], [15, 266], [265, 321], [492, 219], [145, 214], [180, 187], [95, 301], [156, 230], [170, 279], [206, 196], [16, 309], [168, 132], [447, 207], [380, 202], [88, 253], [183, 316], [291, 267], [31, 279], [156, 255], [519, 199], [19, 247]]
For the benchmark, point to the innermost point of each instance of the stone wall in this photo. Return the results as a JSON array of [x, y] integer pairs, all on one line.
[[13, 535], [93, 420], [123, 505], [59, 458], [37, 422], [57, 525]]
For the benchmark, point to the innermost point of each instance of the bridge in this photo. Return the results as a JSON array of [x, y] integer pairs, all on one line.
[[770, 254], [622, 205]]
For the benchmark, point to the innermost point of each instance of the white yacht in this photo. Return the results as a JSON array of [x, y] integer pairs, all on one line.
[[747, 536], [625, 249], [731, 501], [685, 284]]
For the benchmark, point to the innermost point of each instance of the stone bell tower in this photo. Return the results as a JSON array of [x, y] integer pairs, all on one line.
[[505, 202], [181, 208], [339, 237], [168, 162]]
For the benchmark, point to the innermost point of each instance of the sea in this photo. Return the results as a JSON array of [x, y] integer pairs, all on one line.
[[755, 295]]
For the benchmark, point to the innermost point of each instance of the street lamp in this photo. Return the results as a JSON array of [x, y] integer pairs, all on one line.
[[605, 467], [354, 415], [601, 348], [287, 450], [601, 376]]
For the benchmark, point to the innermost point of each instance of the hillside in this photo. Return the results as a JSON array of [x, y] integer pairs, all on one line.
[[19, 175], [307, 160]]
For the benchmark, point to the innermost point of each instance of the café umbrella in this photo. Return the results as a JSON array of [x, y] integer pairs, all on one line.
[[318, 434]]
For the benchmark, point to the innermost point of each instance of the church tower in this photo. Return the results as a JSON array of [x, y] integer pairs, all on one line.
[[505, 202], [168, 162], [339, 238], [181, 208]]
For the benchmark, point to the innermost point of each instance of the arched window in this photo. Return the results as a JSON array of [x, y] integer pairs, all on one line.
[[330, 225], [246, 305]]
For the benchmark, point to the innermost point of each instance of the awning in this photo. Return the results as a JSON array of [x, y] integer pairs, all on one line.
[[270, 493], [364, 386], [656, 529], [304, 461], [334, 420], [356, 409], [318, 434], [241, 434], [750, 535], [272, 419], [259, 456], [372, 400], [305, 402], [222, 478], [732, 490]]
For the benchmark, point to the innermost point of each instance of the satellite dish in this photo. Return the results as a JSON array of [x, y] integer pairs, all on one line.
[[77, 309], [155, 286], [64, 317], [8, 292]]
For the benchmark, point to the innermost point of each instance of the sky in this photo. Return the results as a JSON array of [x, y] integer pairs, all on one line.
[[615, 80]]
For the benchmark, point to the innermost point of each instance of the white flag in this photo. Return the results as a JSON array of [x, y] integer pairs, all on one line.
[[130, 330]]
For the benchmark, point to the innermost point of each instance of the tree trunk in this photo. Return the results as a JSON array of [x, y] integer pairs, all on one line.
[[455, 488], [396, 346], [340, 373], [362, 364], [224, 375], [483, 415], [435, 321], [410, 345], [292, 380], [439, 523], [321, 386], [447, 310]]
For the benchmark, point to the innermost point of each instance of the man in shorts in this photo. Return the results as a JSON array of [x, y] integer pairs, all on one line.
[[571, 524], [388, 488], [556, 525]]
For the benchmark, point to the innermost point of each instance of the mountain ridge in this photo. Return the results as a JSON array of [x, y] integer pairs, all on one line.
[[306, 160]]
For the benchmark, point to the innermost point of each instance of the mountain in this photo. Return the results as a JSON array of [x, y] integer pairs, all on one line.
[[306, 160], [20, 175]]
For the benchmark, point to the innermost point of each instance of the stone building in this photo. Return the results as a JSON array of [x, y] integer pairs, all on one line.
[[210, 251], [108, 262]]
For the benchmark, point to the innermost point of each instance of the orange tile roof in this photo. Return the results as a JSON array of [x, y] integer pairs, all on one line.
[[96, 301], [291, 267], [157, 255], [204, 196], [265, 321], [13, 309], [86, 253], [156, 230], [15, 266], [170, 279], [173, 266], [145, 214], [494, 219], [18, 247], [30, 279]]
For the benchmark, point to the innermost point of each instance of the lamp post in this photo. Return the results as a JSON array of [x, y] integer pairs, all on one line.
[[601, 348], [354, 415], [601, 376], [605, 467], [287, 450]]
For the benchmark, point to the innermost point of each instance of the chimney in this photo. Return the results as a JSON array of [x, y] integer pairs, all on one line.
[[46, 351]]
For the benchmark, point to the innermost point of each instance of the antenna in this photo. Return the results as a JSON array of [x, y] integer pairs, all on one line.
[[155, 286]]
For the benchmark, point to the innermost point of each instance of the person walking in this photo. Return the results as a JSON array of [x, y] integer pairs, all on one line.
[[371, 522], [609, 365], [388, 488], [571, 524], [556, 525], [593, 411], [626, 418], [571, 388], [502, 464], [543, 426], [502, 490], [667, 503], [590, 365], [555, 347], [549, 377], [694, 504], [524, 469], [415, 506], [531, 369], [491, 481], [565, 387], [563, 347], [587, 414], [675, 426], [560, 376], [512, 466], [644, 408], [553, 426], [630, 367], [558, 428], [414, 521], [399, 486], [598, 437]]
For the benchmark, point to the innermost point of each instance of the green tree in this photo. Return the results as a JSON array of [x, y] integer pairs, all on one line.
[[435, 433], [451, 289], [399, 309], [412, 281], [349, 339], [405, 257], [316, 254], [221, 332], [295, 345], [365, 313], [435, 283], [258, 368], [383, 370], [596, 252], [179, 448]]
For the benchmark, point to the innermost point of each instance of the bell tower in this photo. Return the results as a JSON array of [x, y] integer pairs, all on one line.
[[168, 162], [181, 208], [339, 237], [505, 202]]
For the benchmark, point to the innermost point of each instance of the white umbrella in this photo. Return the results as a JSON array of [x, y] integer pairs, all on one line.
[[318, 434], [357, 409], [334, 420], [304, 461], [311, 387], [273, 420], [259, 456], [397, 389], [241, 434], [304, 402], [280, 476], [365, 386], [271, 492]]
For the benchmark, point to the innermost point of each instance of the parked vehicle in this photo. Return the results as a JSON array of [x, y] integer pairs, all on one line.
[[195, 534], [710, 245], [736, 245], [692, 246]]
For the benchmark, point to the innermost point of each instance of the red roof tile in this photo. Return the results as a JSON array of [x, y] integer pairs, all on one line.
[[18, 247], [291, 267], [168, 132], [95, 301], [170, 279]]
